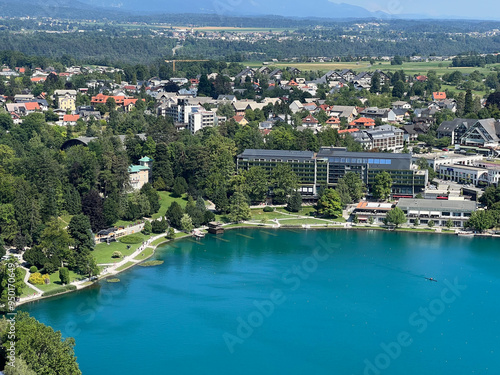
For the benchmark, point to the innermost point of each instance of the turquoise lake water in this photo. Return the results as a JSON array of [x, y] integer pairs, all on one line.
[[293, 302]]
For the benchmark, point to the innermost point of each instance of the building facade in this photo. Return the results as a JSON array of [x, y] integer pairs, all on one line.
[[330, 164], [439, 211]]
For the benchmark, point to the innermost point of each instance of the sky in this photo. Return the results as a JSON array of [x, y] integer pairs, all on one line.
[[483, 9]]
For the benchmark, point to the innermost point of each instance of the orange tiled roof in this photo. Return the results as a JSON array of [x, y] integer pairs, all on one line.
[[439, 95], [353, 130], [71, 118], [31, 106]]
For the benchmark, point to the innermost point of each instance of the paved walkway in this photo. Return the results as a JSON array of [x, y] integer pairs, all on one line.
[[38, 293]]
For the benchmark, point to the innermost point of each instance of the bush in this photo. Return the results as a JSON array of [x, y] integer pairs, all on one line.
[[64, 275], [132, 239], [38, 279], [147, 228], [62, 289], [268, 209], [33, 269], [117, 254]]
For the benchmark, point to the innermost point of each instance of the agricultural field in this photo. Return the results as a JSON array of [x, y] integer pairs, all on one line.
[[414, 68]]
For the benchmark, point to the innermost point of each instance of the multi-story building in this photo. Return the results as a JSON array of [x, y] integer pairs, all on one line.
[[199, 119], [330, 164], [385, 137], [407, 180], [439, 211], [140, 174], [482, 173]]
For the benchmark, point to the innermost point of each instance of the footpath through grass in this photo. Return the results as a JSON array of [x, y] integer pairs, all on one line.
[[103, 252]]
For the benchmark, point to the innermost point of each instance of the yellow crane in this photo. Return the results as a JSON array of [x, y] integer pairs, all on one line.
[[174, 61]]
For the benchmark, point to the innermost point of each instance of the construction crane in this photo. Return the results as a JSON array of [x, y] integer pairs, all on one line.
[[174, 61]]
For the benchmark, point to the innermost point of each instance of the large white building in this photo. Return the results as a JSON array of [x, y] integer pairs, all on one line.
[[199, 118], [439, 211]]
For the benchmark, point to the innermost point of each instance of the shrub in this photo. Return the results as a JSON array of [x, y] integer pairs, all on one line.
[[38, 279], [117, 254], [33, 269], [268, 209], [64, 275]]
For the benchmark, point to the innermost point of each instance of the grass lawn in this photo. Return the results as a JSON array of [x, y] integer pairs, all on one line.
[[27, 290], [166, 200], [55, 281], [259, 214], [303, 222], [102, 252], [239, 225], [126, 265], [148, 251], [159, 240], [424, 230], [124, 223], [305, 211]]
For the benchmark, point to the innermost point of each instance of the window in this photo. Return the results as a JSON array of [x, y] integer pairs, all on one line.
[[370, 161], [365, 161], [376, 161], [348, 160]]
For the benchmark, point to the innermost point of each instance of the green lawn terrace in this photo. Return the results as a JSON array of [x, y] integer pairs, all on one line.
[[103, 252]]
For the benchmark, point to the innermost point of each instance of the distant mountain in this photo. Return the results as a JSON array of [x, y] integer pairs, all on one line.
[[70, 9], [287, 8]]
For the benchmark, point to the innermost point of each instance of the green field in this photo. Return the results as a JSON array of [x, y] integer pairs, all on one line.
[[103, 252], [126, 265], [441, 67], [166, 200], [304, 222], [146, 253]]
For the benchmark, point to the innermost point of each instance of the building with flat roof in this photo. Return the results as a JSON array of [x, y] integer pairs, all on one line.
[[440, 211], [375, 210], [330, 164], [406, 179]]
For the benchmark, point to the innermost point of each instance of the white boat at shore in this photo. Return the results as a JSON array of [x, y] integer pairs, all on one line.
[[465, 234]]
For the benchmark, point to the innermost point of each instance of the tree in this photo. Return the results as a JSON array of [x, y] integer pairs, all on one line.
[[256, 184], [480, 221], [396, 216], [64, 275], [294, 202], [159, 226], [397, 60], [93, 207], [43, 349], [284, 181], [449, 223], [170, 233], [180, 187], [350, 188], [238, 207], [430, 223], [186, 223], [416, 222], [375, 83], [329, 204], [398, 90], [174, 214], [147, 228], [382, 186], [80, 231]]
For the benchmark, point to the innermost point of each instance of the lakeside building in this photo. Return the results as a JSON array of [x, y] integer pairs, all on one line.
[[479, 174], [447, 158], [440, 211], [330, 164]]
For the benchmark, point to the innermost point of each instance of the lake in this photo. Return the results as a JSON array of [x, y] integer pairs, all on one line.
[[293, 302]]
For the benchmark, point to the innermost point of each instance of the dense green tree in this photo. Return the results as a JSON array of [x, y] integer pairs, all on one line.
[[398, 90], [186, 223], [7, 269], [375, 83], [382, 187], [480, 221], [93, 207], [238, 208], [147, 228], [329, 204], [256, 184], [42, 348], [396, 216], [81, 232], [174, 214], [180, 187], [283, 181], [294, 203], [64, 275]]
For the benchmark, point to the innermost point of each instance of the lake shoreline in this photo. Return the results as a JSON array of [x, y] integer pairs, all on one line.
[[250, 226]]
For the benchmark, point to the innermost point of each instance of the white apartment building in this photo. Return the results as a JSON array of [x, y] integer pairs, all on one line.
[[199, 118]]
